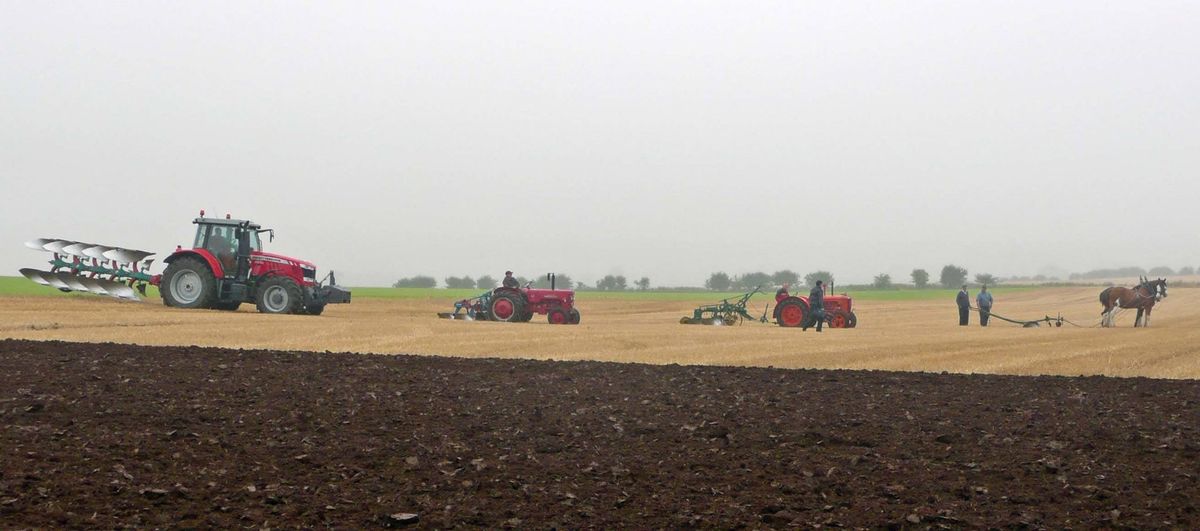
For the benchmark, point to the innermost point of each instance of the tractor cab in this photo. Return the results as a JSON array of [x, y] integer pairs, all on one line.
[[231, 241]]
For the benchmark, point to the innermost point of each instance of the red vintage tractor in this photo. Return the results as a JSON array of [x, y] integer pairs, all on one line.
[[226, 267], [791, 311], [518, 305]]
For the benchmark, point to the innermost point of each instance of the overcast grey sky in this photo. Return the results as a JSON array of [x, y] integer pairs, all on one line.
[[666, 139]]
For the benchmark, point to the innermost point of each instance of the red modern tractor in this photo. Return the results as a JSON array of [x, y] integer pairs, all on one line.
[[226, 267], [518, 305]]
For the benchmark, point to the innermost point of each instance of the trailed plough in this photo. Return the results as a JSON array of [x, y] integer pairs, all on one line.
[[92, 268]]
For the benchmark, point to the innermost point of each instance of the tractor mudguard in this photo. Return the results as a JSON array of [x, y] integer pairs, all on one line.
[[203, 254]]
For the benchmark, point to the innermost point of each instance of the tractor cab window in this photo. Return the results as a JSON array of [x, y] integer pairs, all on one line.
[[221, 240], [255, 243]]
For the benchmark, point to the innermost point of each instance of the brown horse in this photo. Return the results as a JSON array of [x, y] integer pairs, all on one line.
[[1142, 297]]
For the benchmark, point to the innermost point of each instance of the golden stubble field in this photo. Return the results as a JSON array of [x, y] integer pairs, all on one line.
[[908, 336]]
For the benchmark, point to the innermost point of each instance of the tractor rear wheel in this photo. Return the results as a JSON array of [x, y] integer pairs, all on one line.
[[279, 295], [188, 283], [557, 317], [573, 316], [507, 308], [792, 313]]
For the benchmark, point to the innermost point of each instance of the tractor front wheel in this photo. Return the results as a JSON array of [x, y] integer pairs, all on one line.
[[838, 320], [573, 316], [852, 320], [507, 308], [791, 313], [188, 283], [557, 317], [279, 295]]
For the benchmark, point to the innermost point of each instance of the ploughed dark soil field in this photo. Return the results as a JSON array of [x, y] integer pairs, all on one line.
[[95, 435]]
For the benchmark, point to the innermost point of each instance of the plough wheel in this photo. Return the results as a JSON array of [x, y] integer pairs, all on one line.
[[791, 313]]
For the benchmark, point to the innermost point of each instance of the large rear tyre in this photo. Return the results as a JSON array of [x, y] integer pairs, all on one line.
[[279, 295], [573, 316], [188, 283], [507, 308], [791, 313]]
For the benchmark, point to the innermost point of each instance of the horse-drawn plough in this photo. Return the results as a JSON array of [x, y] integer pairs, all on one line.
[[1115, 299]]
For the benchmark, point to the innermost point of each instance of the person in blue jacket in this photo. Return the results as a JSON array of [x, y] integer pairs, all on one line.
[[964, 307], [984, 301]]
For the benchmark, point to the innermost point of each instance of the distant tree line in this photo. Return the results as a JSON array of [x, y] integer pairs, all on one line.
[[561, 281], [951, 276], [722, 281], [419, 281], [1119, 272]]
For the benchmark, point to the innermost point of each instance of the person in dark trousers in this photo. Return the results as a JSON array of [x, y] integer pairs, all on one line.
[[509, 281], [984, 301], [816, 307], [964, 307]]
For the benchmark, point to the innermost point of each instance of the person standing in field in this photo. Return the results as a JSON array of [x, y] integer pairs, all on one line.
[[964, 307], [509, 281], [816, 307], [984, 300]]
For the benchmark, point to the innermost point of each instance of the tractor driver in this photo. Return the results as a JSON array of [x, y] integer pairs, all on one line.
[[783, 292], [224, 253], [509, 281]]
